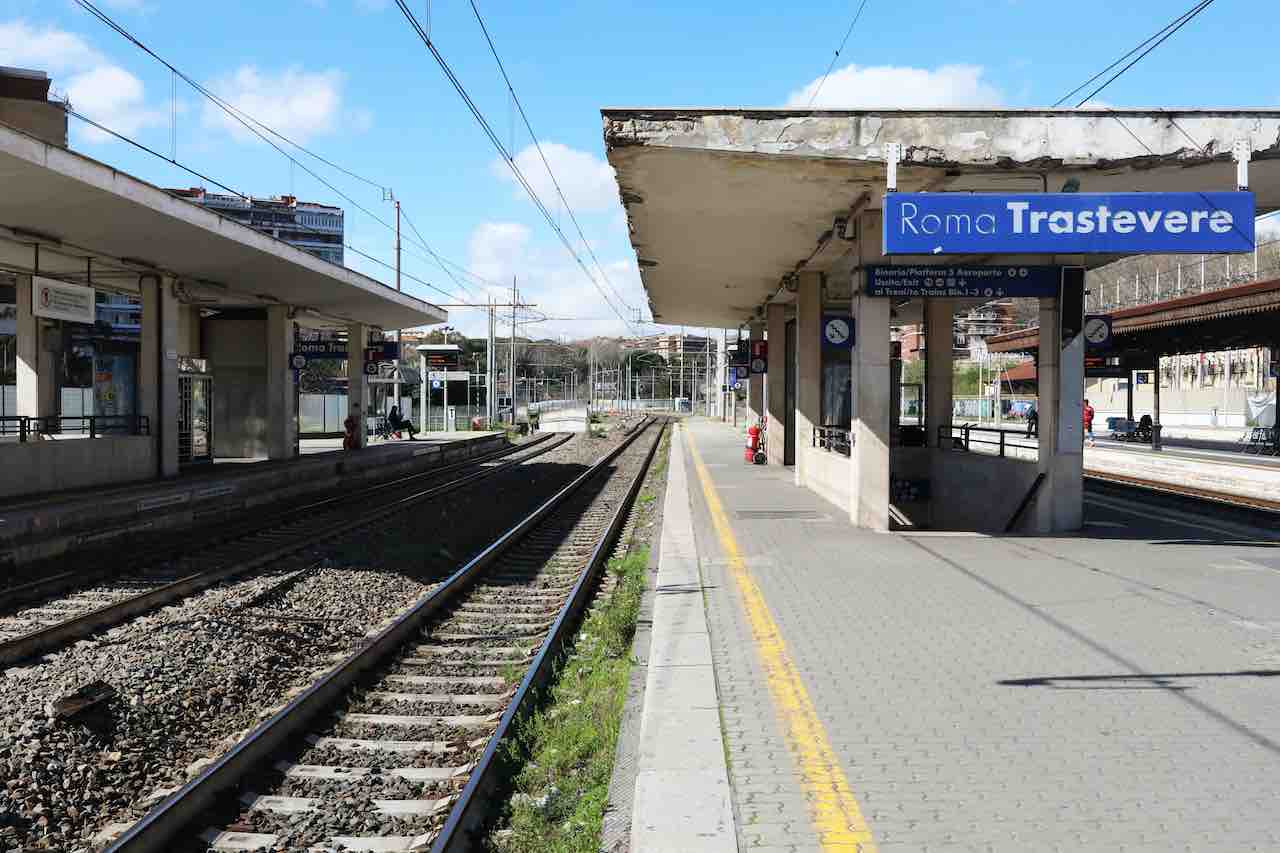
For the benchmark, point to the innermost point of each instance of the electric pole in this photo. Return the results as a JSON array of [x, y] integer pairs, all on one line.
[[515, 299]]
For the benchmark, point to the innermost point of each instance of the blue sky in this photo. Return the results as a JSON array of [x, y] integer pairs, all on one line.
[[350, 80]]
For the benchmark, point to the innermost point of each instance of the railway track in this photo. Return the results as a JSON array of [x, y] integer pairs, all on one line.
[[181, 563], [396, 747], [1247, 504]]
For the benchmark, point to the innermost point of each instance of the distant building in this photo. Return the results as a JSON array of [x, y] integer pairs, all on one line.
[[314, 228], [25, 104], [669, 345]]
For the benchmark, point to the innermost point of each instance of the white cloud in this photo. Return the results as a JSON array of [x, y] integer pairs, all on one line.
[[45, 49], [114, 97], [299, 104], [587, 181], [894, 86], [549, 278]]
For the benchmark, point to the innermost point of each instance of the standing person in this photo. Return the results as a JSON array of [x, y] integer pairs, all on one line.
[[1087, 414], [349, 432], [1033, 422]]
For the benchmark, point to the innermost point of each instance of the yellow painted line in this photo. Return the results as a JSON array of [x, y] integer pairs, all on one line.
[[835, 811]]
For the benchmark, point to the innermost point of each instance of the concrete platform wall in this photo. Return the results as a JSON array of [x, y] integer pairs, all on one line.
[[828, 474], [37, 466], [971, 491], [39, 529], [237, 351]]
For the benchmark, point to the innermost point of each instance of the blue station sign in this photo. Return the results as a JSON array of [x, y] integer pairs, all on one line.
[[973, 281], [1068, 223]]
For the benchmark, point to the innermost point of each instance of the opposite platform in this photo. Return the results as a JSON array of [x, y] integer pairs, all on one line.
[[1113, 690], [45, 526]]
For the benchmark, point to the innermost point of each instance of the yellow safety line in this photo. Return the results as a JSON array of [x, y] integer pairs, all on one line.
[[836, 815]]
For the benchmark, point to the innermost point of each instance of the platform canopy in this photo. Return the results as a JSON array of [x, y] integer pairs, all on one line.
[[723, 204], [71, 217]]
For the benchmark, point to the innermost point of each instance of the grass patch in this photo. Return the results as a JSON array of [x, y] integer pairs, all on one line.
[[565, 751]]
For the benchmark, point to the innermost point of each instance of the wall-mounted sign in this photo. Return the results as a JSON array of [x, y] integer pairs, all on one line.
[[59, 300], [385, 351], [1097, 331], [837, 331], [973, 281], [759, 365], [1068, 223], [321, 348]]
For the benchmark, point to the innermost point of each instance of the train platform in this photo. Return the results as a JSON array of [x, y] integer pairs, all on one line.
[[816, 686], [52, 523]]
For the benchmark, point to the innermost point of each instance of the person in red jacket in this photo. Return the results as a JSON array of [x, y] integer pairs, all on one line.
[[1087, 413]]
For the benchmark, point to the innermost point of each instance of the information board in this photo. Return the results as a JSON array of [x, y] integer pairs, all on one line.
[[964, 281]]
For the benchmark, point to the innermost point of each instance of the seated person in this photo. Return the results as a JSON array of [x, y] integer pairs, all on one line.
[[398, 423]]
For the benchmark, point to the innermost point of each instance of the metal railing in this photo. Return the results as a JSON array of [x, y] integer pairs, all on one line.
[[991, 440], [92, 426], [832, 439]]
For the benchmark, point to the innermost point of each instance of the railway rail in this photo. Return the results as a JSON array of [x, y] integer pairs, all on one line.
[[181, 563], [1257, 507], [396, 747]]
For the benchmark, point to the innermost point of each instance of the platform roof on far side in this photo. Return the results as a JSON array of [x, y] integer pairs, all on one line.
[[723, 203], [81, 213]]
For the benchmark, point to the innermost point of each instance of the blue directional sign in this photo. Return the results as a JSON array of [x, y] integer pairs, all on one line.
[[956, 280], [837, 331], [1068, 223]]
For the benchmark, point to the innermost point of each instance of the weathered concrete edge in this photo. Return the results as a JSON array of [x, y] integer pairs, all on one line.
[[678, 809], [615, 833]]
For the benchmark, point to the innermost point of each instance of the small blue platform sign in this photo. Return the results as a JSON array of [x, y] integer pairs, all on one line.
[[978, 282], [1068, 223], [837, 331]]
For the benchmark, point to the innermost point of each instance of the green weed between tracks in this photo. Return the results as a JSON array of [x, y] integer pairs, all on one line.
[[565, 751]]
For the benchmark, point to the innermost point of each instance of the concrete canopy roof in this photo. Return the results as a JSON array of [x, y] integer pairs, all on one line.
[[75, 208], [723, 203]]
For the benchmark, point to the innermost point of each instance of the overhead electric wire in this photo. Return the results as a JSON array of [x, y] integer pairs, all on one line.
[[835, 58], [538, 145], [438, 260], [1150, 43], [248, 121], [506, 155], [152, 151], [404, 274]]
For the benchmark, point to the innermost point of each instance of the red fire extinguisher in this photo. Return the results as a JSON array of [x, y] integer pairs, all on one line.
[[753, 444]]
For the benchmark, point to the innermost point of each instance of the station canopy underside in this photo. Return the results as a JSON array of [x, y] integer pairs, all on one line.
[[91, 221], [1238, 317], [725, 203]]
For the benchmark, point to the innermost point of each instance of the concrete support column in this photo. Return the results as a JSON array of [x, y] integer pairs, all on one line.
[[158, 369], [357, 339], [282, 394], [1059, 506], [775, 388], [1156, 443], [722, 360], [37, 358], [755, 381], [869, 504], [808, 368], [939, 351], [28, 353]]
